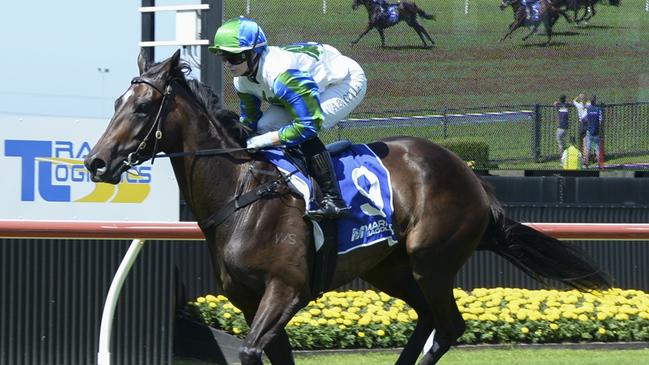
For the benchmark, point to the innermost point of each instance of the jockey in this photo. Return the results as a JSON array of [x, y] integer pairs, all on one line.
[[532, 8], [308, 86]]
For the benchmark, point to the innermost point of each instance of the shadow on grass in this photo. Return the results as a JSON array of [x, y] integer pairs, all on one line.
[[544, 44], [410, 47]]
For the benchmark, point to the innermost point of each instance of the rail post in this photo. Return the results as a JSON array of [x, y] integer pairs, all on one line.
[[106, 327], [536, 146]]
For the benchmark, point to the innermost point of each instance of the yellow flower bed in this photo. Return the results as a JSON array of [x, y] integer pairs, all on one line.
[[499, 315]]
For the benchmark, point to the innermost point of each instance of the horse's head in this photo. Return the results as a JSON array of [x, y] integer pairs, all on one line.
[[136, 127], [357, 3]]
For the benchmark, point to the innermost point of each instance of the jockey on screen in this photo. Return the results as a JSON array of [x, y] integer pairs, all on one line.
[[532, 8]]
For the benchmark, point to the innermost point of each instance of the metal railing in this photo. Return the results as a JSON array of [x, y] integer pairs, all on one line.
[[524, 133]]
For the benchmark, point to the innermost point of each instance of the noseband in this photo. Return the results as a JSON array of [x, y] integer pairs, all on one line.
[[135, 158]]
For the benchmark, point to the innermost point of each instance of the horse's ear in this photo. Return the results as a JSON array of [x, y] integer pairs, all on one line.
[[142, 62], [175, 59]]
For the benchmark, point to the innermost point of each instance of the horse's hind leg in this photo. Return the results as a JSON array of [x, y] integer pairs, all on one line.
[[382, 37], [394, 277], [421, 30], [437, 252], [548, 29]]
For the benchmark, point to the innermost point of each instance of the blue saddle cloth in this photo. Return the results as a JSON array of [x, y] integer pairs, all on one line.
[[366, 188], [391, 14], [534, 12]]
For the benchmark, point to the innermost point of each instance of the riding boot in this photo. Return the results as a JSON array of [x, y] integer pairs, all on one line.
[[332, 204]]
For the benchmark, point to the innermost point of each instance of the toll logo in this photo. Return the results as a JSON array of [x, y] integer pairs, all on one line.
[[53, 171]]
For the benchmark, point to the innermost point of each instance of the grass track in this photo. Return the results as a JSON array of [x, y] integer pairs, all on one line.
[[469, 67], [485, 357]]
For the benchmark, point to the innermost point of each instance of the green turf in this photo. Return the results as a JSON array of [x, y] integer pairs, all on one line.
[[483, 357], [469, 67]]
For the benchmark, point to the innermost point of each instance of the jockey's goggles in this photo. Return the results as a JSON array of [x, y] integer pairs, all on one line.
[[232, 58]]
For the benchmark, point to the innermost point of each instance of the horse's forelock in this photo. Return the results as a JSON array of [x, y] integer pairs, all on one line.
[[165, 71]]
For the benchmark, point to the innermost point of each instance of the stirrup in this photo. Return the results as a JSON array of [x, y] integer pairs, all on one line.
[[328, 210]]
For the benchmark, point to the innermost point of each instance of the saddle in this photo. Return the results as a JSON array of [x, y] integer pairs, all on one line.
[[366, 188]]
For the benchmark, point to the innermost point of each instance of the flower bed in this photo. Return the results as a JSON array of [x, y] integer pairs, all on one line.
[[369, 319]]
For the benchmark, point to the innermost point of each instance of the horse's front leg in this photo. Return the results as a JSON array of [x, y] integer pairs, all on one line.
[[369, 27], [278, 305], [590, 12], [512, 27], [534, 29]]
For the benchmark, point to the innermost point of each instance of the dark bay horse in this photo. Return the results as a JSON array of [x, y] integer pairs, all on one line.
[[263, 252], [588, 7], [549, 14], [382, 15]]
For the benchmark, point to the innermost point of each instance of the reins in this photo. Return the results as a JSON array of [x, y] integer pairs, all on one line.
[[134, 158], [265, 190]]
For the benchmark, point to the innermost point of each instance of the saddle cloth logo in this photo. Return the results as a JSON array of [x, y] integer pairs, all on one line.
[[366, 188]]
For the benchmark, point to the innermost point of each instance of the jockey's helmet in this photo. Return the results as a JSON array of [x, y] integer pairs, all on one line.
[[239, 35]]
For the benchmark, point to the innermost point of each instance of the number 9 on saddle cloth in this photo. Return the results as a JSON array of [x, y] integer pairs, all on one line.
[[365, 187]]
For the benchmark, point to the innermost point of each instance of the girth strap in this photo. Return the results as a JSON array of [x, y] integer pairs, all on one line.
[[265, 190]]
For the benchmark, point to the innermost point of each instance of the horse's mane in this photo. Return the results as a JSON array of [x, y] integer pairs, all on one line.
[[209, 101]]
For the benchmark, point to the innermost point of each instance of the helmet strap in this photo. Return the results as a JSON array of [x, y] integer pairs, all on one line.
[[252, 60]]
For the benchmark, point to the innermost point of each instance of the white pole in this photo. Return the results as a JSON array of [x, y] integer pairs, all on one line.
[[466, 7], [103, 356], [324, 6], [247, 7]]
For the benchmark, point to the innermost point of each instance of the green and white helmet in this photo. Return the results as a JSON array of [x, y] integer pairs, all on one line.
[[238, 35]]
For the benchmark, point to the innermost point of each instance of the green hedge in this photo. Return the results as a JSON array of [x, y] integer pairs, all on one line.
[[469, 149]]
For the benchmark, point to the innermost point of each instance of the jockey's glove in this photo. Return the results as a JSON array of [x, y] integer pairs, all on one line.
[[263, 140]]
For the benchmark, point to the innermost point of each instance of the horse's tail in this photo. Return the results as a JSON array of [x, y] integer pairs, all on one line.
[[424, 15], [538, 255], [412, 8]]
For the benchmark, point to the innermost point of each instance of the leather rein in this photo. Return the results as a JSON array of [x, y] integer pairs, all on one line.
[[266, 190]]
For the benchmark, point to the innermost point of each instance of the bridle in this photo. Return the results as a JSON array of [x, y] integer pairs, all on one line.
[[135, 158], [265, 190]]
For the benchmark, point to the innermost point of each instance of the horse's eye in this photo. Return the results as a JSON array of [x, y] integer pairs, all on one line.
[[142, 109]]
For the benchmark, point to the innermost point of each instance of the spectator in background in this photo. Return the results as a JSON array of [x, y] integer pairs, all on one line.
[[562, 122], [580, 103], [594, 118], [572, 159]]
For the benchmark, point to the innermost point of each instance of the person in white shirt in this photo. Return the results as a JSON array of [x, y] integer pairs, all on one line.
[[581, 104]]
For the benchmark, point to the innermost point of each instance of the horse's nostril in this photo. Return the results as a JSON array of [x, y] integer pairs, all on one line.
[[97, 166]]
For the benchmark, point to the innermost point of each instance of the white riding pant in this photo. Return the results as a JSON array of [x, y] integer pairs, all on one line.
[[337, 101]]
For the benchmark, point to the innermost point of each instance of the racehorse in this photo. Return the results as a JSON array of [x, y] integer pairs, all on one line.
[[262, 249], [548, 15], [588, 7], [382, 15]]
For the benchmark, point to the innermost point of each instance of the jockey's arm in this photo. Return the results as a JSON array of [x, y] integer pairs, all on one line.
[[250, 107], [300, 95]]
